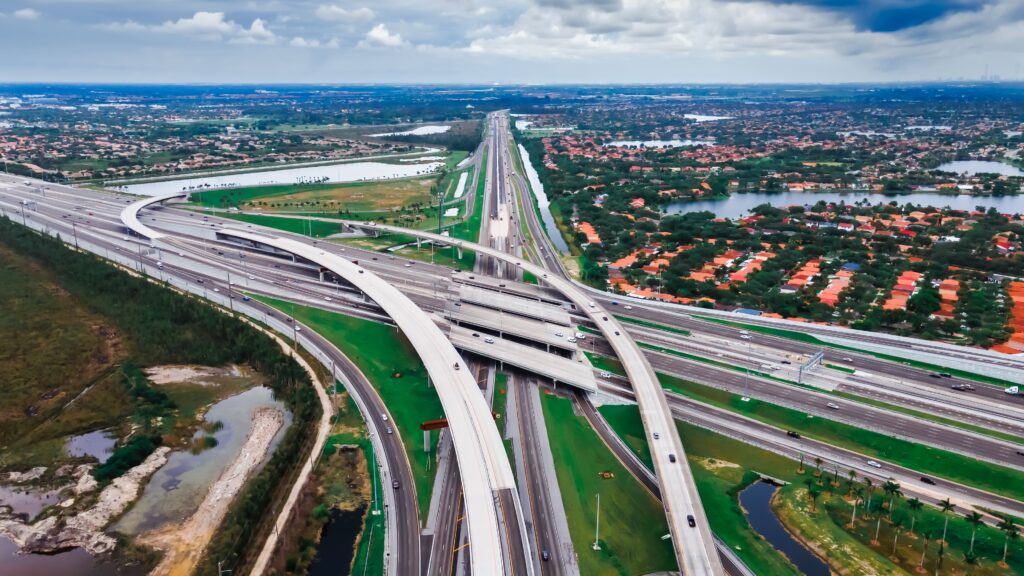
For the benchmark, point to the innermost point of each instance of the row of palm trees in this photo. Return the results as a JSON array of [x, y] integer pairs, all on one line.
[[863, 493]]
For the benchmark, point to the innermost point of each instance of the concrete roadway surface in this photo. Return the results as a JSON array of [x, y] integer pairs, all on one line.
[[694, 545], [796, 346], [865, 416]]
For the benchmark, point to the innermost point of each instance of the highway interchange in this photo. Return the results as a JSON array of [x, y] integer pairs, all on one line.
[[193, 257]]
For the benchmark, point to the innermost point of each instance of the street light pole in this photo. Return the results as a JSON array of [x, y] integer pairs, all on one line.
[[597, 525]]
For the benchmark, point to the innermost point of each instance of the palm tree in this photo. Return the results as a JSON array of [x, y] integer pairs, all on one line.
[[915, 506], [800, 469], [898, 525], [870, 488], [892, 488], [858, 495], [813, 494], [924, 549], [817, 465], [975, 520], [1009, 527], [946, 506]]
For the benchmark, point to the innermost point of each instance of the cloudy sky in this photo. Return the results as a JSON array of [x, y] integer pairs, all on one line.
[[509, 41]]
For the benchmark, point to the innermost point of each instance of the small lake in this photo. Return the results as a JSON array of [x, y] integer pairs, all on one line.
[[659, 143], [739, 204], [76, 562], [337, 543], [699, 118], [543, 203], [27, 501], [98, 444], [176, 490], [344, 172], [756, 501], [418, 131], [974, 167]]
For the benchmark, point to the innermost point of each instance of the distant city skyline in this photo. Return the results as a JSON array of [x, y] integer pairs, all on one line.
[[516, 41]]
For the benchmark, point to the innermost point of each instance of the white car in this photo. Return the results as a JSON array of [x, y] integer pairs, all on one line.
[[489, 340], [559, 335], [628, 307], [251, 277], [874, 464], [571, 340], [745, 336], [384, 417], [216, 289], [327, 298], [606, 374]]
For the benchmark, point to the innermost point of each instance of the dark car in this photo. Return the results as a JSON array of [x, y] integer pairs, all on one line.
[[927, 480], [935, 375], [394, 484], [671, 457], [545, 556], [691, 520], [792, 434]]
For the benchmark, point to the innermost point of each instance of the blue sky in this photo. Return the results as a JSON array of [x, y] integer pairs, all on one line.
[[509, 41]]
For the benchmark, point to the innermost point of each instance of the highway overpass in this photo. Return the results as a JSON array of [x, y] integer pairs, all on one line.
[[130, 214], [694, 547]]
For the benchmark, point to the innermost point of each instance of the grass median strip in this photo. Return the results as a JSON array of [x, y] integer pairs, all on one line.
[[390, 363], [654, 325], [632, 521]]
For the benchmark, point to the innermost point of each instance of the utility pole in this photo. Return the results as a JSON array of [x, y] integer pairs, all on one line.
[[373, 480], [597, 524]]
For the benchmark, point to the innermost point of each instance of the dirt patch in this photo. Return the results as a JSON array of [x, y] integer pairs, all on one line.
[[201, 375], [713, 464], [185, 543]]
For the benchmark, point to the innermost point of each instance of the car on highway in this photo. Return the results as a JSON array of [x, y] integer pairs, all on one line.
[[935, 375], [384, 417], [832, 406], [874, 464], [672, 458], [927, 480], [792, 434], [559, 335], [656, 435], [571, 340], [489, 340], [847, 359], [691, 520], [786, 362], [327, 299], [251, 277], [628, 307], [394, 484], [407, 264], [745, 336], [545, 556], [246, 298], [216, 289], [606, 374], [389, 430], [945, 374]]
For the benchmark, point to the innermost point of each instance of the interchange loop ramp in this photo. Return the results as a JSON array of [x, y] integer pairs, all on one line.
[[487, 478], [130, 214], [694, 546]]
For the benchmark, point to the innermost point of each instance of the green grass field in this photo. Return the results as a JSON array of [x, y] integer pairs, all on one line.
[[318, 228], [389, 361], [721, 467], [632, 522]]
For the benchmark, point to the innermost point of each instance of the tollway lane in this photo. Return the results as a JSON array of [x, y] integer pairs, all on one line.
[[404, 518], [863, 416]]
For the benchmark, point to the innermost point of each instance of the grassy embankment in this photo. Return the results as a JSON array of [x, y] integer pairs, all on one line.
[[722, 467], [390, 363], [940, 463], [632, 521]]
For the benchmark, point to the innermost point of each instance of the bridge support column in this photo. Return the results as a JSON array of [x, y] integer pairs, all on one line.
[[459, 250], [321, 275]]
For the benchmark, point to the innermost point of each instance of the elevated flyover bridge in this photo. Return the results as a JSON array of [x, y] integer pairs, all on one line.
[[694, 546]]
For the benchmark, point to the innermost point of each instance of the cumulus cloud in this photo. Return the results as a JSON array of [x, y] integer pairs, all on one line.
[[380, 36], [332, 12], [208, 26], [300, 42], [27, 14]]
